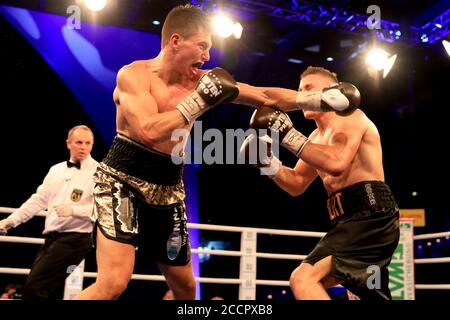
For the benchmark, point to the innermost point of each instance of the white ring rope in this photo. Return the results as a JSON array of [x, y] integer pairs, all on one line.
[[218, 252], [11, 210], [280, 256], [432, 260], [28, 240], [433, 286], [432, 235], [225, 252], [147, 277], [257, 230], [21, 240]]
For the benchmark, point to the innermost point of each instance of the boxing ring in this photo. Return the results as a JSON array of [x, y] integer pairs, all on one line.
[[248, 255]]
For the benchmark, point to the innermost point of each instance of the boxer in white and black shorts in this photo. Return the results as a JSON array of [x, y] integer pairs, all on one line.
[[139, 200]]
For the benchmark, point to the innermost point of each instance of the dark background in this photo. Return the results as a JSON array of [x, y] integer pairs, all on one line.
[[409, 108]]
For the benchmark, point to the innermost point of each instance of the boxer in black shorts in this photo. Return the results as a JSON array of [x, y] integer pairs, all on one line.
[[345, 152], [365, 234]]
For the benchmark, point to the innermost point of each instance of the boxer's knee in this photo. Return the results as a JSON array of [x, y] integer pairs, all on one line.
[[185, 290], [111, 288], [300, 279]]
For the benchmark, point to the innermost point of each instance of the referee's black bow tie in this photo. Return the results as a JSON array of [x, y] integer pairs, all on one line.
[[71, 164]]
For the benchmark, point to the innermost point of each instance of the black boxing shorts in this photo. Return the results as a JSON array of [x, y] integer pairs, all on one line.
[[366, 232], [139, 200]]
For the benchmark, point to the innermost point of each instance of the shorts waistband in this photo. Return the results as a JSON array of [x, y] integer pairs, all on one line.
[[146, 164], [361, 196]]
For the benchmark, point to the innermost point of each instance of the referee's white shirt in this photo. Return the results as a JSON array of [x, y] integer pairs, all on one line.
[[63, 185]]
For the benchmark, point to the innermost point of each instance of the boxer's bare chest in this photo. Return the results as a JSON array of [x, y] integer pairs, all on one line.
[[167, 96]]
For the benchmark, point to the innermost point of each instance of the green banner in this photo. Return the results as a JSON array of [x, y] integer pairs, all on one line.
[[401, 269]]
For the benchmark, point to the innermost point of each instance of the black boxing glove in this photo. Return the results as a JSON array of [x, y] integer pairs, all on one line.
[[266, 117], [342, 97], [214, 87], [257, 151]]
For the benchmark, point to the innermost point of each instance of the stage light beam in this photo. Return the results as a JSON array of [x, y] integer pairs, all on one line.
[[446, 45], [224, 27], [95, 5], [377, 59], [389, 65]]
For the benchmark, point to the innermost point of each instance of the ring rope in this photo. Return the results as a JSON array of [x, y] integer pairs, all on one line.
[[29, 240]]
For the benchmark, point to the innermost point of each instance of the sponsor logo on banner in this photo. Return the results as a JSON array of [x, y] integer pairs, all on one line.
[[401, 269]]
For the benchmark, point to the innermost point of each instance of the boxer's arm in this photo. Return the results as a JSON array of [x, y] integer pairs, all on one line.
[[343, 98], [284, 99], [295, 181], [334, 158], [138, 111]]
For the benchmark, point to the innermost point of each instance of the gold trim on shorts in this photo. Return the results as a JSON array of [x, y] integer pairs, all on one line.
[[152, 193]]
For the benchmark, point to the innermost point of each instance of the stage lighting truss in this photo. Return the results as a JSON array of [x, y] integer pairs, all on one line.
[[323, 16]]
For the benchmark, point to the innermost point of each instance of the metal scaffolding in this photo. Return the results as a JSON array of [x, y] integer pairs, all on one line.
[[340, 19]]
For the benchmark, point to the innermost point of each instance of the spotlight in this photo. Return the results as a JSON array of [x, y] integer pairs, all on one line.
[[225, 27], [446, 45], [237, 30], [379, 59], [95, 5], [389, 65]]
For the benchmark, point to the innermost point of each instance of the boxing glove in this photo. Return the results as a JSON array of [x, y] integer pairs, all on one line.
[[267, 117], [342, 97], [214, 87], [257, 151]]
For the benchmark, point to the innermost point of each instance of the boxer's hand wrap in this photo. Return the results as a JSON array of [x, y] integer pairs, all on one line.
[[266, 117], [257, 151], [214, 87], [343, 98]]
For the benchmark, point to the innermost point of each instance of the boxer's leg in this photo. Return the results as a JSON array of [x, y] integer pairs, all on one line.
[[115, 208], [180, 279], [115, 262], [306, 280]]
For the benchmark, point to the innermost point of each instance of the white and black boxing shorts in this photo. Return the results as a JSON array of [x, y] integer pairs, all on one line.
[[139, 200]]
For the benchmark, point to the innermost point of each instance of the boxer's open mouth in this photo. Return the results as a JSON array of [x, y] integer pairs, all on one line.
[[197, 65]]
